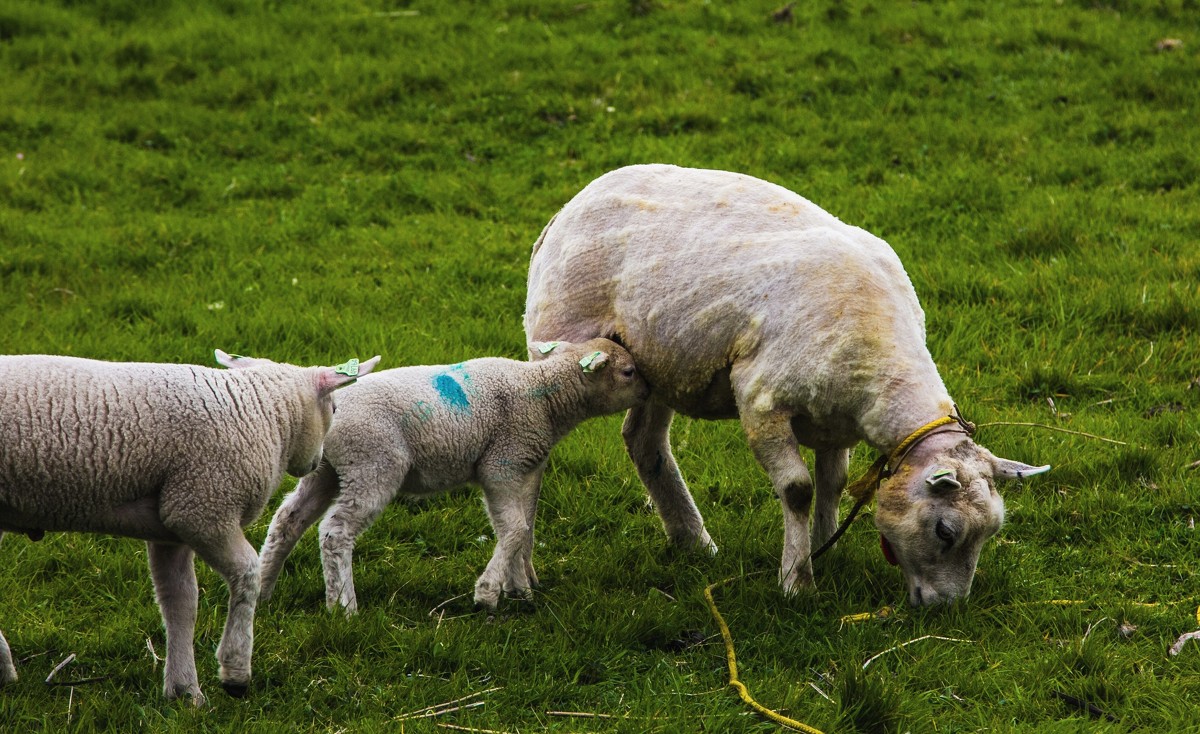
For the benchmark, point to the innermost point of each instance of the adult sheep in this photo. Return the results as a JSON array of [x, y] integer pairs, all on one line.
[[180, 456], [739, 298]]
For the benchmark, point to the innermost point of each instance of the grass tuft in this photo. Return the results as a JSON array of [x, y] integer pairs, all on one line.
[[867, 704]]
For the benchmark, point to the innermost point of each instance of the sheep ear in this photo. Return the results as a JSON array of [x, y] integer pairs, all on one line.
[[942, 479], [234, 361], [594, 361], [1007, 469], [541, 350], [332, 378]]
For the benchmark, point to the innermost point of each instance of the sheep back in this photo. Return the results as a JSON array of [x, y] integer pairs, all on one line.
[[694, 270], [82, 439]]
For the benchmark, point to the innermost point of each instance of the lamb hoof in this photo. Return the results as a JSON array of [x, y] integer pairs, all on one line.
[[237, 690]]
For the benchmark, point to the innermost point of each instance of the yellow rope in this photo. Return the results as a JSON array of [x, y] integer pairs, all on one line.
[[864, 489], [733, 676], [921, 432]]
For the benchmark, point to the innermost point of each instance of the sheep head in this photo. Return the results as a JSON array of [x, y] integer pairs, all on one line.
[[935, 512], [609, 375]]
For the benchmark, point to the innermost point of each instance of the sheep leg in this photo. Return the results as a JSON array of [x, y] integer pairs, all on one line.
[[774, 445], [296, 514], [8, 671], [355, 508], [232, 556], [173, 569], [647, 440], [830, 478], [511, 503]]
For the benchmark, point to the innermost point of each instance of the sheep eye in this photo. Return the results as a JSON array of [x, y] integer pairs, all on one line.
[[944, 533], [628, 372]]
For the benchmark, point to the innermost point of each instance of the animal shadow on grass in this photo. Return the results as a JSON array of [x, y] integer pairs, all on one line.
[[867, 704]]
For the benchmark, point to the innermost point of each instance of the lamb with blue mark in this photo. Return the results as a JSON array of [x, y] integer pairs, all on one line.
[[417, 431]]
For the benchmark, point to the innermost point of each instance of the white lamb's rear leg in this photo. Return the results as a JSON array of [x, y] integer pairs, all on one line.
[[232, 556], [298, 511], [830, 469], [365, 493], [774, 445], [173, 569], [646, 433]]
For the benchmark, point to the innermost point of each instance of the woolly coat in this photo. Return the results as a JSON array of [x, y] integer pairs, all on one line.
[[135, 449], [695, 270]]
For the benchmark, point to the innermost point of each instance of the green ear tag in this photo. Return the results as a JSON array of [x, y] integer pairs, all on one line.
[[349, 369], [548, 347], [586, 362], [939, 474]]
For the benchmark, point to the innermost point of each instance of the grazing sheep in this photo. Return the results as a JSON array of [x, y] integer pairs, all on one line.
[[739, 298], [422, 430], [180, 456]]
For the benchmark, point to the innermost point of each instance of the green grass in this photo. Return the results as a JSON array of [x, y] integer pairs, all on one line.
[[310, 181]]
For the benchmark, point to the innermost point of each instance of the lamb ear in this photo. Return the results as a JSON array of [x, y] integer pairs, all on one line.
[[594, 361], [541, 350], [334, 377], [1007, 469], [942, 479], [234, 361]]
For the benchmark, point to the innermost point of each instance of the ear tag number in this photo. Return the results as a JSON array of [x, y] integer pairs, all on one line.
[[349, 369]]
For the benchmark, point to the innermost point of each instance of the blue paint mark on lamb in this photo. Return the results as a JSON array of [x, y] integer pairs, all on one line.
[[451, 393]]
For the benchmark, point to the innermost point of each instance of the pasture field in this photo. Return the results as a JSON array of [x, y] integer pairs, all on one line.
[[311, 181]]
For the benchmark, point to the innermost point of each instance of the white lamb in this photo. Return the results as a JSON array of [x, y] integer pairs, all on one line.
[[180, 456], [739, 298], [421, 430]]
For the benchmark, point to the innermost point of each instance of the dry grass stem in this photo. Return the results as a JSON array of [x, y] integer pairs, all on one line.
[[455, 727], [876, 656], [66, 661], [1178, 646], [1091, 627], [583, 715], [1053, 428], [445, 707]]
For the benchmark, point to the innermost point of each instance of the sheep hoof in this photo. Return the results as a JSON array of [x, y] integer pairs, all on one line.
[[798, 585], [237, 690], [185, 690], [487, 596]]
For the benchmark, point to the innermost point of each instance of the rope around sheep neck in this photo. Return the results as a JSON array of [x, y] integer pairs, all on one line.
[[863, 491]]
